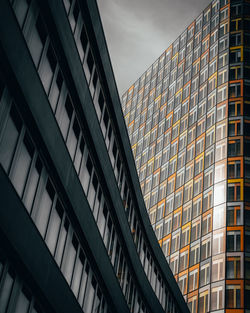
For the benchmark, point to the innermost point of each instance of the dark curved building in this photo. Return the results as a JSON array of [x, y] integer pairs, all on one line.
[[74, 232]]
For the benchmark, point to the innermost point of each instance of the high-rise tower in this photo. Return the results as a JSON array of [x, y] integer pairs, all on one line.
[[74, 232], [188, 122]]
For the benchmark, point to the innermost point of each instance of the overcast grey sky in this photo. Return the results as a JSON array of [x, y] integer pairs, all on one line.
[[138, 31]]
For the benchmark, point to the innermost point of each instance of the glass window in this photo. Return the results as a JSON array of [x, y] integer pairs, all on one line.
[[234, 169], [44, 207], [182, 282], [185, 236], [207, 199], [234, 192], [21, 8], [47, 68], [175, 244], [192, 304], [221, 128], [69, 259], [89, 296], [54, 227], [166, 247], [235, 90], [82, 43], [61, 242], [204, 274], [223, 3], [233, 296], [199, 164], [206, 248], [236, 25], [234, 147], [218, 268], [204, 301], [223, 43], [167, 226], [236, 9], [23, 302], [233, 241], [198, 182], [90, 61], [186, 213], [173, 264], [79, 154], [220, 193], [218, 242], [235, 72], [66, 117], [217, 297], [220, 171], [6, 290], [9, 139], [206, 223], [222, 93], [224, 13], [198, 24], [234, 215], [56, 90], [223, 76], [235, 56], [209, 157], [219, 216], [223, 59], [22, 165], [189, 171], [233, 267], [197, 205], [97, 301], [37, 40], [208, 178], [221, 111], [194, 254], [193, 280]]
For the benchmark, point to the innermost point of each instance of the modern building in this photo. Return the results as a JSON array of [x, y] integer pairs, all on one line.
[[74, 231], [188, 120]]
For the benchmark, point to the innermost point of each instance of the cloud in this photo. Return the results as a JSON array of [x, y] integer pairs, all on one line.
[[138, 31]]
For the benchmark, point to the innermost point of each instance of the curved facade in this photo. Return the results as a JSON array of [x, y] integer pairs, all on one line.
[[74, 232], [187, 118]]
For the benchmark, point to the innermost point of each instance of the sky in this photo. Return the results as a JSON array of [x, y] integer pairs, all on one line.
[[138, 32]]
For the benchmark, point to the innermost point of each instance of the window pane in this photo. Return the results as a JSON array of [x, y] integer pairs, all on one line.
[[31, 187], [73, 138], [22, 165], [54, 227], [97, 303], [6, 291], [84, 281], [44, 208], [55, 91], [21, 8], [89, 296], [66, 117], [70, 259], [77, 274], [79, 154], [61, 242], [37, 40], [9, 140], [22, 304], [47, 69]]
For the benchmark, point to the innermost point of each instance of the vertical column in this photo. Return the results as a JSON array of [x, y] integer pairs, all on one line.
[[235, 180]]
